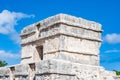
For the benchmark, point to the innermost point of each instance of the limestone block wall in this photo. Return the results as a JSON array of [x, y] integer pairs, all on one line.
[[27, 53], [108, 75], [21, 72], [82, 46], [72, 49], [4, 73], [51, 45], [28, 34], [55, 69], [50, 31], [62, 37], [61, 47], [52, 26], [30, 52], [80, 32]]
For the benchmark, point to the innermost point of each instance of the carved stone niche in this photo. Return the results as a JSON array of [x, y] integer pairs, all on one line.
[[40, 52], [32, 71], [12, 73]]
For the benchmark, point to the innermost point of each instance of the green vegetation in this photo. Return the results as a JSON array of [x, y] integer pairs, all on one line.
[[117, 72], [2, 63]]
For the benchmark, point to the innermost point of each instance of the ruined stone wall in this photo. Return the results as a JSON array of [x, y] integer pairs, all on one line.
[[63, 37], [61, 47], [54, 69]]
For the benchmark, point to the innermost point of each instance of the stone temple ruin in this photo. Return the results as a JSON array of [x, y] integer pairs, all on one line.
[[61, 47]]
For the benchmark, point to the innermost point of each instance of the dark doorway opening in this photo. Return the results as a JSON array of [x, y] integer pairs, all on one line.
[[40, 52]]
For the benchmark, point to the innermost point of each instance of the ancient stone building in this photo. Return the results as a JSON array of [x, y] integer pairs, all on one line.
[[61, 47]]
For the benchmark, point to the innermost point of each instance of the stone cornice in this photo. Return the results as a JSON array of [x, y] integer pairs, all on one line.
[[66, 19], [58, 34]]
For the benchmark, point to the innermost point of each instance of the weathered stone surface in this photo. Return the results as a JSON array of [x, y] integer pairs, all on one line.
[[22, 69], [4, 73], [53, 69], [73, 71], [21, 72], [62, 37], [61, 47]]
